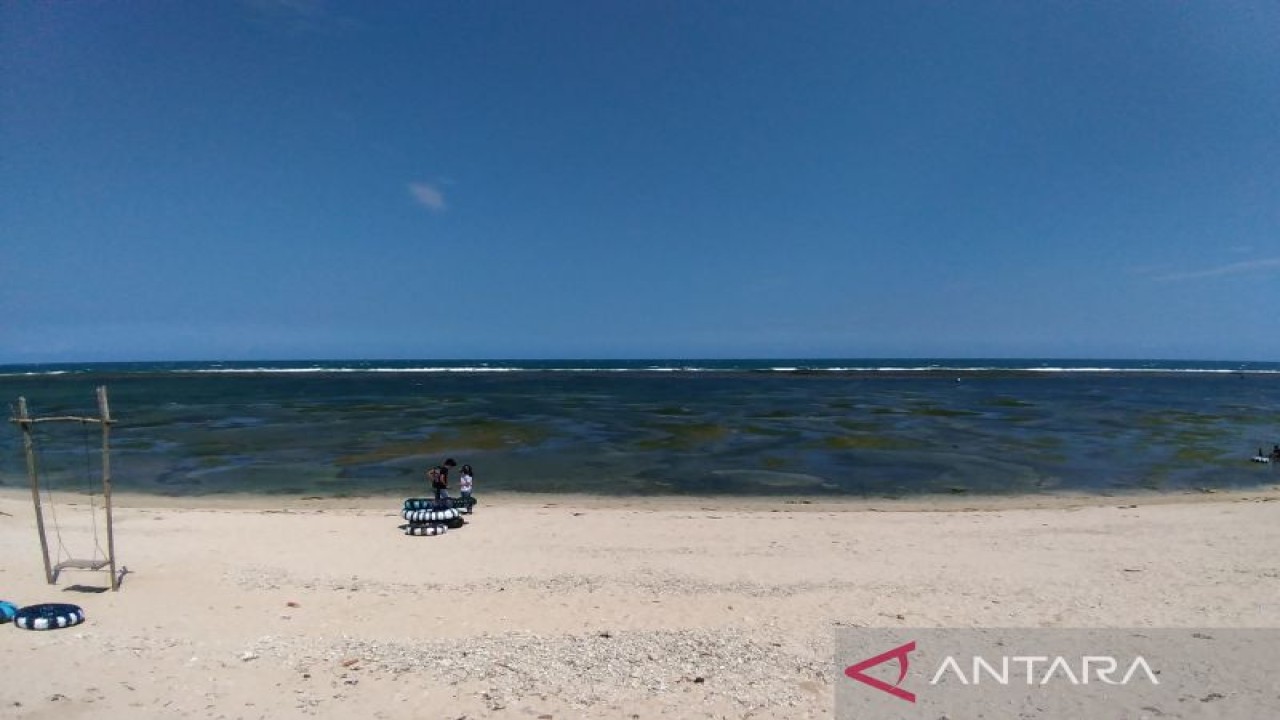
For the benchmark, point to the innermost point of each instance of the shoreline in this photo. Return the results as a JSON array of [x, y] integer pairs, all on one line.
[[957, 502]]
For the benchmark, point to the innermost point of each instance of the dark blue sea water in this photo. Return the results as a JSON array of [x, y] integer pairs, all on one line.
[[775, 427]]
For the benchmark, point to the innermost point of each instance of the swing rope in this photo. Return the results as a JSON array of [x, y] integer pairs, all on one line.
[[48, 493], [63, 553], [98, 552]]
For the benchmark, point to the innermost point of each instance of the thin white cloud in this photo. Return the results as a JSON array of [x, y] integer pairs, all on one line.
[[428, 196], [1239, 268]]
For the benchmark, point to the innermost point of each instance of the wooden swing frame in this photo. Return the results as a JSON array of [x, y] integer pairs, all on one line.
[[27, 423]]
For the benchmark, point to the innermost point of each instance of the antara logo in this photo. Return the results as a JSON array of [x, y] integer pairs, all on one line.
[[904, 662], [1007, 670]]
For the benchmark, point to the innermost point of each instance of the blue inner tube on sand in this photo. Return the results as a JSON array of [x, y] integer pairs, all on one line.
[[425, 504], [7, 611], [49, 616], [464, 504]]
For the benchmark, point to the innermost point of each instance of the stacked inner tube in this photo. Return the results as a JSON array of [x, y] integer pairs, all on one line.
[[428, 517]]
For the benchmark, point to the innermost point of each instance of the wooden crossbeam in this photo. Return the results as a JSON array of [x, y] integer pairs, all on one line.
[[58, 418]]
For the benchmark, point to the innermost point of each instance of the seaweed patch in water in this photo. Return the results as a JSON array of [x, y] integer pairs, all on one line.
[[1005, 401], [771, 462], [859, 425], [865, 442], [936, 411], [467, 435], [1198, 454], [1171, 417], [684, 436], [768, 431]]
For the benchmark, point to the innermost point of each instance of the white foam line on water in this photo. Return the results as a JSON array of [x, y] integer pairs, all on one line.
[[219, 369]]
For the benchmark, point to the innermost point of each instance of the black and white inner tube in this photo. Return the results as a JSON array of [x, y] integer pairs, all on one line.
[[425, 530], [49, 616], [430, 516]]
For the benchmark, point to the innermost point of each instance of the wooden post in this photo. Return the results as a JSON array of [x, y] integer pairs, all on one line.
[[33, 476], [104, 411]]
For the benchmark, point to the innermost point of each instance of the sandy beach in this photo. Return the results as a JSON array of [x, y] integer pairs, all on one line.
[[574, 606]]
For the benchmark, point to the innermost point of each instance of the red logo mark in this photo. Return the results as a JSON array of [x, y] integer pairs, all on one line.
[[900, 654]]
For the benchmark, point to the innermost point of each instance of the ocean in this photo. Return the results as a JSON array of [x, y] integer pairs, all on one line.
[[794, 428]]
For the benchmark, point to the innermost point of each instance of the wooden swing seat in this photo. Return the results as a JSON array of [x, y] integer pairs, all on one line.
[[81, 565]]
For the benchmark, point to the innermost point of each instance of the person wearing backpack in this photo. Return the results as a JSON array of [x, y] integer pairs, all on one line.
[[437, 481], [439, 476]]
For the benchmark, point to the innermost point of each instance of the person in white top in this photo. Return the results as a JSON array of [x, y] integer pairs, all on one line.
[[465, 483]]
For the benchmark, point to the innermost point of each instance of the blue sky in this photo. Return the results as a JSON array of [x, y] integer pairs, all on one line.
[[282, 179]]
